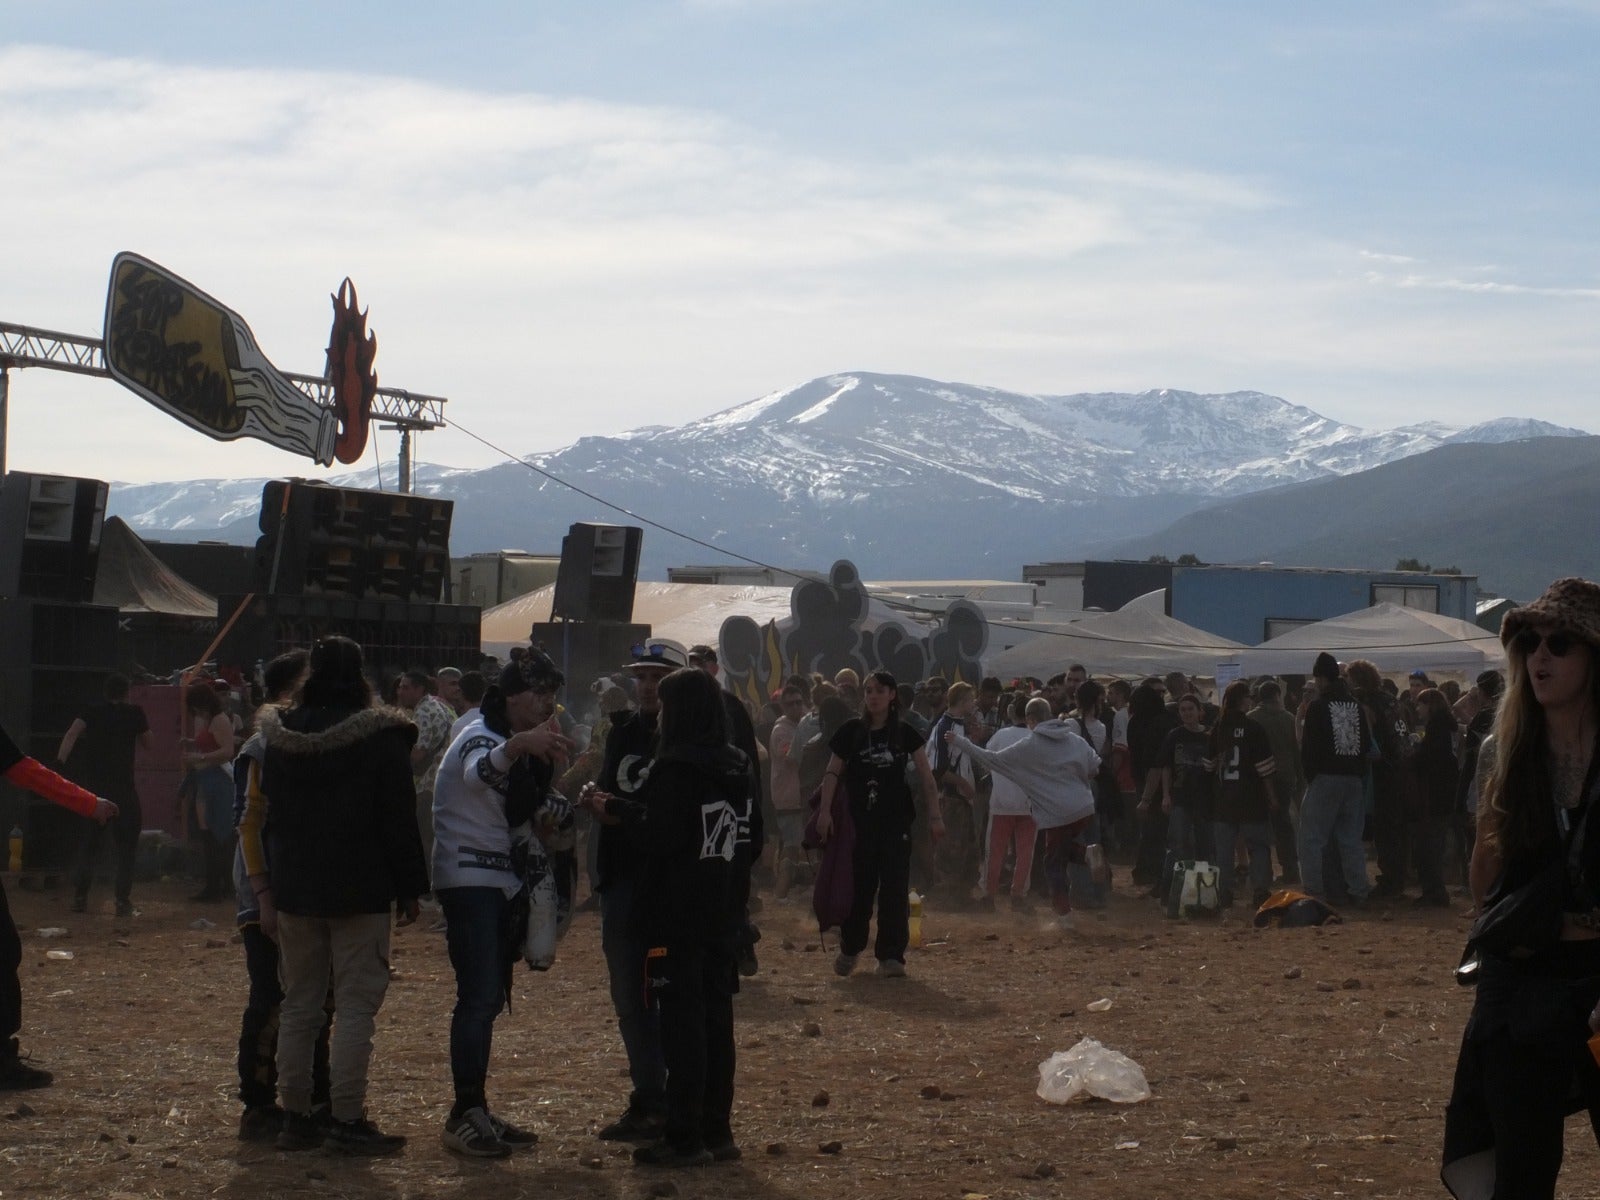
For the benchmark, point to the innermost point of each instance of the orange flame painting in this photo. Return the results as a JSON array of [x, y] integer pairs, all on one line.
[[351, 351]]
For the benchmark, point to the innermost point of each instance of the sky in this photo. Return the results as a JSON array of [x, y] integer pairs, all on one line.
[[573, 220]]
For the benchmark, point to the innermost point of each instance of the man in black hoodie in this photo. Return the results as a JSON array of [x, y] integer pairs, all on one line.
[[630, 749], [688, 823], [1334, 753]]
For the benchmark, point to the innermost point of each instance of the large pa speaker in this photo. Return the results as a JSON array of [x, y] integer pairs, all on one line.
[[394, 636], [586, 650], [54, 658], [50, 536], [318, 540], [599, 570]]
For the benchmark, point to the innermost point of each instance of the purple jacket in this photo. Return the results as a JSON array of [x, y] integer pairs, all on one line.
[[835, 889]]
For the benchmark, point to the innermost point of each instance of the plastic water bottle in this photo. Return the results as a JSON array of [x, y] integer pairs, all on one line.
[[915, 900], [16, 848]]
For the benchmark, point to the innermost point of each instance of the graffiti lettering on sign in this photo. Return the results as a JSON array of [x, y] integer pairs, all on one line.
[[197, 361], [828, 630]]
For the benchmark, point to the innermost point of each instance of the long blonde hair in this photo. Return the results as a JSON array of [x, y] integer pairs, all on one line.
[[1517, 790]]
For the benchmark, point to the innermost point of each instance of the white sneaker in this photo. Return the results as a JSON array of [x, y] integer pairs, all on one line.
[[1067, 922], [891, 968], [844, 964], [473, 1135]]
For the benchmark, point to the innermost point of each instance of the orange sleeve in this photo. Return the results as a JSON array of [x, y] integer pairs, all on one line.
[[33, 775]]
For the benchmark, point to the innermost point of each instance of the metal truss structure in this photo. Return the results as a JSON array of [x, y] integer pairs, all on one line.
[[22, 346]]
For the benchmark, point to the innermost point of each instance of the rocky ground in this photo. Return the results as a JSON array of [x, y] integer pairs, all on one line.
[[1300, 1063]]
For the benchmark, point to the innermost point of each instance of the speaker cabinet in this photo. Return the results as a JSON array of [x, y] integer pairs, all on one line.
[[54, 659], [394, 636], [326, 541], [599, 571], [586, 650], [50, 536]]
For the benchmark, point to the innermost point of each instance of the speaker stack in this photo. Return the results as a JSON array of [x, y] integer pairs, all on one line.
[[56, 646], [592, 631], [368, 565]]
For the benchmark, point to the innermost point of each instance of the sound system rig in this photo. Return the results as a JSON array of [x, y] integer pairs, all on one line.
[[369, 565], [591, 631], [56, 645]]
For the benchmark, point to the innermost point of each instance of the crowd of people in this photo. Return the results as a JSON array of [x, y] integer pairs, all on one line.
[[343, 814]]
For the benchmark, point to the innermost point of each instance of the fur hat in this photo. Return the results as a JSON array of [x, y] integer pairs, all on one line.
[[1571, 605], [1326, 667]]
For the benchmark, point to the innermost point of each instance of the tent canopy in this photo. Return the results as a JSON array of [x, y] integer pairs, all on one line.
[[688, 613], [1129, 642], [1392, 638], [128, 577]]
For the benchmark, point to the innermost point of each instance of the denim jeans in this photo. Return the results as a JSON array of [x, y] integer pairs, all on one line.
[[1257, 841], [1333, 811], [475, 935], [639, 1025], [1188, 838]]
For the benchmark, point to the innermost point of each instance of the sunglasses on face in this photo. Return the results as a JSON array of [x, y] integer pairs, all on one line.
[[1559, 644]]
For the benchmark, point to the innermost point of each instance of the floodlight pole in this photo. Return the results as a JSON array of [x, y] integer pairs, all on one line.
[[5, 394]]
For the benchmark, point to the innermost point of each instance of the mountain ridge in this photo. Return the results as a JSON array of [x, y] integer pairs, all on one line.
[[906, 475]]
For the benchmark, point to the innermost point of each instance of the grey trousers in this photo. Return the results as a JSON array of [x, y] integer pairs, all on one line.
[[354, 951]]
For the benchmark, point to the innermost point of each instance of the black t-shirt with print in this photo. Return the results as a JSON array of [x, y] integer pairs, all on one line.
[[875, 769], [1184, 753], [1244, 761]]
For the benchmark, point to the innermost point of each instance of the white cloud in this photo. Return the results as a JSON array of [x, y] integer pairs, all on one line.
[[561, 266]]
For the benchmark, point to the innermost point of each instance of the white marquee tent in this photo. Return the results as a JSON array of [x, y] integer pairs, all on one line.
[[1395, 640], [688, 613], [1130, 642]]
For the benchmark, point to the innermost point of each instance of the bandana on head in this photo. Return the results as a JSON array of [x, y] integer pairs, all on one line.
[[533, 672]]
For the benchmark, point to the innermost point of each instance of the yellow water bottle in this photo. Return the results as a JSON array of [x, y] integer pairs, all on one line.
[[916, 919], [16, 848]]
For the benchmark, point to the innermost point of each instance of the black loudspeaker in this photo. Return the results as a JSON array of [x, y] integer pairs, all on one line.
[[326, 541], [54, 659], [50, 536], [586, 650], [599, 569], [394, 636]]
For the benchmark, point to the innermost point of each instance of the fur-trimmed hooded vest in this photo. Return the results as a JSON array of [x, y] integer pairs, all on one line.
[[342, 831]]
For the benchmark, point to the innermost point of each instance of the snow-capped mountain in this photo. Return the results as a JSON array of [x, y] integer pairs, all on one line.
[[907, 476]]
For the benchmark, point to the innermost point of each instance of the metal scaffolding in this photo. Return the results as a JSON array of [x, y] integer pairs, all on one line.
[[24, 346]]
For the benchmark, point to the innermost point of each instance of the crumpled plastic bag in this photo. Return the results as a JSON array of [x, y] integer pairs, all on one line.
[[1092, 1068]]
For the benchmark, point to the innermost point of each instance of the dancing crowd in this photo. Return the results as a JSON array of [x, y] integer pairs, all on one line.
[[344, 816]]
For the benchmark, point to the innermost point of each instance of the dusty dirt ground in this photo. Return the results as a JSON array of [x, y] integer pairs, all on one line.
[[1330, 1083]]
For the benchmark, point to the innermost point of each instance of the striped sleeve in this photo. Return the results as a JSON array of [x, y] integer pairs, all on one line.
[[252, 822]]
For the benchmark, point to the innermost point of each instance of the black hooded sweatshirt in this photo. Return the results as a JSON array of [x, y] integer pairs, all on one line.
[[687, 823]]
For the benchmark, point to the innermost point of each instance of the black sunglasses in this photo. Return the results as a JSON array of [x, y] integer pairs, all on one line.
[[1559, 644]]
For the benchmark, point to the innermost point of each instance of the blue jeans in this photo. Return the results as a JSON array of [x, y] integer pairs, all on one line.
[[1187, 839], [475, 935], [1334, 810], [1258, 841], [638, 1023]]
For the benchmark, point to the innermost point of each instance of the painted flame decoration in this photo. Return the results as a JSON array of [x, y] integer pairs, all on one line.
[[351, 351]]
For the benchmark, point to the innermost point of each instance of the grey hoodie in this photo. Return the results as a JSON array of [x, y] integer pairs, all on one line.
[[1052, 764]]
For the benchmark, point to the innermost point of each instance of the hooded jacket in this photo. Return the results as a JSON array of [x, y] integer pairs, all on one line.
[[1053, 765], [342, 837], [688, 822]]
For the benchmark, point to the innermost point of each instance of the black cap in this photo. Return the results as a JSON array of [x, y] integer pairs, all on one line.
[[1326, 666]]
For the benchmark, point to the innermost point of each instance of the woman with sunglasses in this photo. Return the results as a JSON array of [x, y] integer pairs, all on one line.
[[1523, 1065]]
